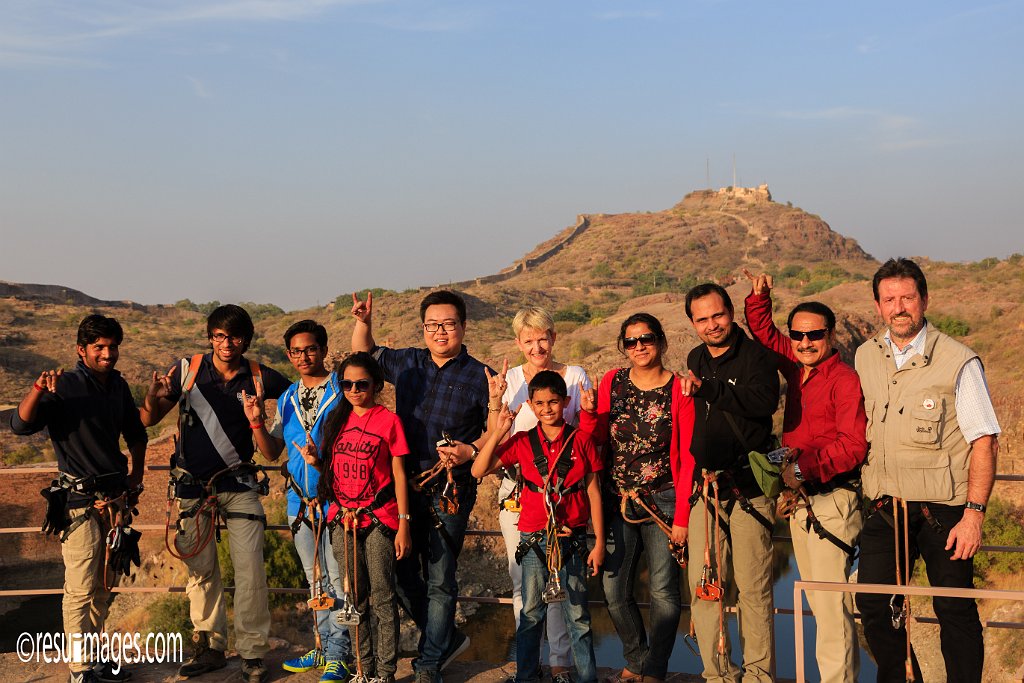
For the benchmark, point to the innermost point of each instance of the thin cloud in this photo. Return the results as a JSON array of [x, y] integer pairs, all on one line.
[[45, 33], [199, 88], [886, 131], [619, 15], [868, 45]]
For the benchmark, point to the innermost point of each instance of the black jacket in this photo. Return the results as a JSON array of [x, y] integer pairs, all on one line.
[[85, 420], [744, 382]]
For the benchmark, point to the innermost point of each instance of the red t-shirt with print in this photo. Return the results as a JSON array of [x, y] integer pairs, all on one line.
[[573, 510], [361, 460]]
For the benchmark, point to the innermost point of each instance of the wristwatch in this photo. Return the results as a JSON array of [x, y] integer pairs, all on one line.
[[796, 471], [975, 506], [476, 451]]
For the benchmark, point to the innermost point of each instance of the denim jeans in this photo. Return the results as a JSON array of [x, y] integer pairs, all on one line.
[[575, 611], [643, 655], [427, 585], [333, 638]]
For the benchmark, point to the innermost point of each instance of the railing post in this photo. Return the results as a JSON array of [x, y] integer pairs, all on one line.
[[798, 629]]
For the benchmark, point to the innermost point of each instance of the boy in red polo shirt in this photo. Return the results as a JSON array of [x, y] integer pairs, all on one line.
[[560, 493]]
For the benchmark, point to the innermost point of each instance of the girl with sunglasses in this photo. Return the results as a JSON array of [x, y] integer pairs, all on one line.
[[644, 423], [363, 480]]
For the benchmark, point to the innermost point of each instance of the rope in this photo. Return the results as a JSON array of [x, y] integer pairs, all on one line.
[[711, 590], [208, 507], [677, 551], [349, 525]]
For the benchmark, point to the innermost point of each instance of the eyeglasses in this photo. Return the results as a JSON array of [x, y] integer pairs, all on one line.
[[359, 385], [812, 335], [447, 325], [220, 338], [308, 351], [646, 339]]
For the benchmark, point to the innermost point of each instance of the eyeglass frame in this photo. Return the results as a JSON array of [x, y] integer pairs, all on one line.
[[446, 325], [309, 351]]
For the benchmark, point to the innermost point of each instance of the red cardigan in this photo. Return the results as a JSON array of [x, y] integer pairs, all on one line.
[[596, 424]]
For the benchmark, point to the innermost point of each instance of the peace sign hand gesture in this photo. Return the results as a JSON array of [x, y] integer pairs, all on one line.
[[496, 384], [760, 285], [588, 399], [362, 310], [47, 382], [253, 405]]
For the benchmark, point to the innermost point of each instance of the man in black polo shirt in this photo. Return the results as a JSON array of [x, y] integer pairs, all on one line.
[[86, 411], [214, 456], [735, 386], [439, 390]]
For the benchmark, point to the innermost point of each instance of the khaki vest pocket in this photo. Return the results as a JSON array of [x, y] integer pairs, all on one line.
[[922, 421], [924, 476]]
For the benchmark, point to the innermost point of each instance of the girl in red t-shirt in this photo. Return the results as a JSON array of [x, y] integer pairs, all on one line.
[[363, 479]]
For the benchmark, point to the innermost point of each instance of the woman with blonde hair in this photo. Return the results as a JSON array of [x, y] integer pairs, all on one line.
[[534, 329]]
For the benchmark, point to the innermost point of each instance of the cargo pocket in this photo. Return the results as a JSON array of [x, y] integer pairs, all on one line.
[[925, 476], [923, 425]]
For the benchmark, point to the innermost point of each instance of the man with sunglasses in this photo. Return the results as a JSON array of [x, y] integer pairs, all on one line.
[[824, 430], [214, 457], [302, 411], [440, 392], [735, 385]]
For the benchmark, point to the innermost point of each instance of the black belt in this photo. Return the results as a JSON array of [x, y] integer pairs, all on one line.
[[848, 480]]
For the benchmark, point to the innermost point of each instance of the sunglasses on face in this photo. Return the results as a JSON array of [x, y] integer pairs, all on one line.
[[646, 339], [359, 385], [812, 335]]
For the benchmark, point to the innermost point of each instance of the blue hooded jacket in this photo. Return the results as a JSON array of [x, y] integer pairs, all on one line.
[[305, 476]]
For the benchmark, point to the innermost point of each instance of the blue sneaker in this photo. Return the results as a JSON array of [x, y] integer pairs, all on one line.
[[335, 671], [314, 659]]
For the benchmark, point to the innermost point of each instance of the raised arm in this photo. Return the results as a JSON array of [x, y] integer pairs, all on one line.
[[43, 389], [157, 402], [488, 460], [757, 308], [362, 333]]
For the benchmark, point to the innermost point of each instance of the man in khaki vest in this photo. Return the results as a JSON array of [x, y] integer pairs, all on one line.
[[931, 463]]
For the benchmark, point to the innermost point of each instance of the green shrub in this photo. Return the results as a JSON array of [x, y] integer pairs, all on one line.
[[284, 569], [261, 311], [954, 327], [1004, 525], [23, 455], [169, 614], [581, 348], [577, 312]]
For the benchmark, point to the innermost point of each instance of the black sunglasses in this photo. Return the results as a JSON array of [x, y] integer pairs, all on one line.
[[359, 385], [812, 335], [647, 339]]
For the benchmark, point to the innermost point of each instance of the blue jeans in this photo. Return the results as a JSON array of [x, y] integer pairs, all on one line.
[[427, 585], [333, 638], [643, 655], [575, 610]]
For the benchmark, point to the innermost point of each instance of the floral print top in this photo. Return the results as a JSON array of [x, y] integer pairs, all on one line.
[[640, 426]]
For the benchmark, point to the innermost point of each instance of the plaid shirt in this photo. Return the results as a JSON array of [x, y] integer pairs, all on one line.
[[431, 399]]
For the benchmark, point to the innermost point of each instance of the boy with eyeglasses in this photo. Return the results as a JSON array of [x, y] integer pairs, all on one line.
[[301, 413], [213, 459], [824, 429], [440, 392]]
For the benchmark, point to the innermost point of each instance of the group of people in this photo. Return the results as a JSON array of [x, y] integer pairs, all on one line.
[[893, 459]]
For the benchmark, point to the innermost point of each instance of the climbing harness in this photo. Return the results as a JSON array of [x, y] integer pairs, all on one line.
[[678, 550], [347, 615], [793, 500], [207, 507], [710, 587], [901, 615]]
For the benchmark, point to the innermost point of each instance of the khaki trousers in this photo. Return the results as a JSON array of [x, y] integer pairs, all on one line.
[[86, 600], [205, 591], [818, 559], [746, 560]]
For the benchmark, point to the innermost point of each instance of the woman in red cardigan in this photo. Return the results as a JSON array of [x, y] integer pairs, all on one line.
[[643, 423]]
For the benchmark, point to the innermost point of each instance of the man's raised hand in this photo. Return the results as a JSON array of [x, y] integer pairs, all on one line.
[[47, 381], [362, 310], [160, 385], [252, 404], [760, 285], [497, 384], [308, 451], [690, 384]]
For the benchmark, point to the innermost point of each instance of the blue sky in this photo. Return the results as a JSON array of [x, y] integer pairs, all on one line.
[[290, 151]]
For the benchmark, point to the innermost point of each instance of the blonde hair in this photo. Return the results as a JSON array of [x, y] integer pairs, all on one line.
[[533, 318]]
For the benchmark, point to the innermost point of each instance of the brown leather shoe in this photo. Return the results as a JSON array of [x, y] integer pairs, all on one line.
[[204, 658]]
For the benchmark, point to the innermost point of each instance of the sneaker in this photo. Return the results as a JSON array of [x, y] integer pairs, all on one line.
[[460, 641], [314, 659], [383, 679], [203, 659], [253, 671], [335, 670], [87, 676], [561, 677], [427, 677], [105, 673]]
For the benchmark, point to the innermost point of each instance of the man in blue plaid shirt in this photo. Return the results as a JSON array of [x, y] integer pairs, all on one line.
[[440, 391]]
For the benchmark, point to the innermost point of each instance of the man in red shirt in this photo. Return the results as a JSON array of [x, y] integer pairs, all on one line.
[[561, 492], [825, 429]]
